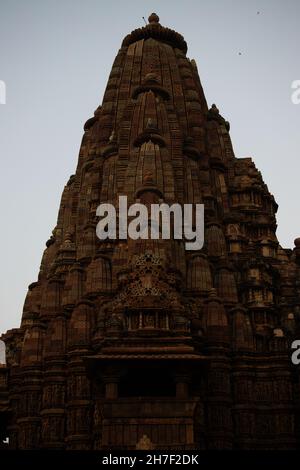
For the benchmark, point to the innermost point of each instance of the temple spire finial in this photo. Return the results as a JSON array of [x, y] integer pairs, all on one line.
[[153, 18]]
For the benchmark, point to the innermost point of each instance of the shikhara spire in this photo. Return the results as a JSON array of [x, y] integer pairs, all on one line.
[[130, 344]]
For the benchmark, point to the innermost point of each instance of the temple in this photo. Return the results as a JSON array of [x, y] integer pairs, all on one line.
[[142, 344]]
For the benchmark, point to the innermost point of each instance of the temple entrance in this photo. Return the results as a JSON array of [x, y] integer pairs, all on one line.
[[139, 398]]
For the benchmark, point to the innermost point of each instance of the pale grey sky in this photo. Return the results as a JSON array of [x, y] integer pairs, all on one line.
[[55, 57]]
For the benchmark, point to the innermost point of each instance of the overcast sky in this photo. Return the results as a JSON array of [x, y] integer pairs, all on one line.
[[55, 58]]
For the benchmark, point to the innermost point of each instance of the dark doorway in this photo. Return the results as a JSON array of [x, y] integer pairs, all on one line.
[[144, 382]]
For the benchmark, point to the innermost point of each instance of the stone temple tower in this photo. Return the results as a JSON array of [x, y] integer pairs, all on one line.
[[129, 344]]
